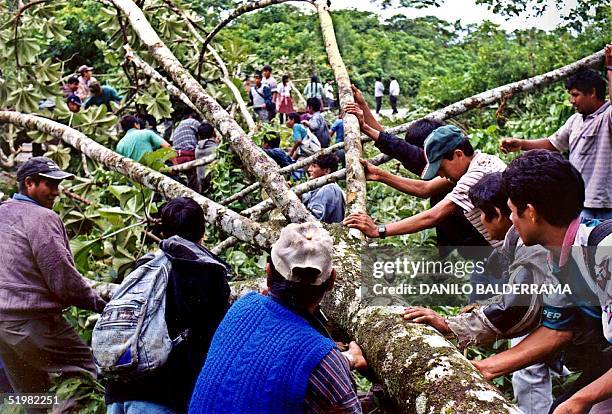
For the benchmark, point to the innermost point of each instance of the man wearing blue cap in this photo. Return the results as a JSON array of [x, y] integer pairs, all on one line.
[[38, 280], [451, 156]]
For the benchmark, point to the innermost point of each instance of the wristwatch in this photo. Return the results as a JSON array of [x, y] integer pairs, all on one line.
[[382, 231]]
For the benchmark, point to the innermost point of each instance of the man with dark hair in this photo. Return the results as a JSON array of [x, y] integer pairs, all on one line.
[[272, 354], [71, 86], [305, 143], [450, 155], [261, 99], [185, 138], [379, 91], [327, 202], [137, 142], [208, 142], [74, 103], [38, 279], [587, 136], [546, 195], [102, 95], [505, 315], [197, 297], [454, 231], [394, 91], [317, 123], [268, 80], [270, 144]]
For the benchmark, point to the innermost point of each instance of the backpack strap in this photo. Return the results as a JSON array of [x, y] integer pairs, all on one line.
[[600, 232]]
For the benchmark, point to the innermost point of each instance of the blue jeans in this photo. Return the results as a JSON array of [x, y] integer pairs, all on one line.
[[138, 407], [597, 213], [532, 386]]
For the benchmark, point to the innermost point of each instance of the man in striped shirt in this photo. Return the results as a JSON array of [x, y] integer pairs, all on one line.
[[450, 156]]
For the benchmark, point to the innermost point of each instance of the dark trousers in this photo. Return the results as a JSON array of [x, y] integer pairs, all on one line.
[[33, 349], [393, 101], [378, 104]]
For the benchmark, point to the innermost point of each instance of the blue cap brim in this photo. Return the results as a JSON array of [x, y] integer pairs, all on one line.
[[431, 170]]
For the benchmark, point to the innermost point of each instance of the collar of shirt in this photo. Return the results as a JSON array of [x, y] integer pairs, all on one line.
[[22, 197], [566, 247], [598, 112]]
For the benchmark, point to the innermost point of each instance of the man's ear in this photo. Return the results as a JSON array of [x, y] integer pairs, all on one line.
[[332, 280], [498, 215], [531, 213]]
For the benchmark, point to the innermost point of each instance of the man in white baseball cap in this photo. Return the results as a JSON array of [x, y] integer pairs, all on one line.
[[272, 353], [85, 79]]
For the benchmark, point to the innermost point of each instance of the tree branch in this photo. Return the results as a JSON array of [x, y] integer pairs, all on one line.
[[186, 166], [239, 11], [222, 217], [256, 161], [490, 96], [131, 56], [220, 63], [355, 176]]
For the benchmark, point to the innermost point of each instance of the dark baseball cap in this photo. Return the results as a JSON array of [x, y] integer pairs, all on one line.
[[42, 166], [441, 141], [74, 98]]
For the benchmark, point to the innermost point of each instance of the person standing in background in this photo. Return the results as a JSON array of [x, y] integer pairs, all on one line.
[[285, 102], [394, 91], [379, 91]]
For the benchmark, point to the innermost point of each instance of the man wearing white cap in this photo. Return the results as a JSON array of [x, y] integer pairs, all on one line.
[[272, 354], [85, 80]]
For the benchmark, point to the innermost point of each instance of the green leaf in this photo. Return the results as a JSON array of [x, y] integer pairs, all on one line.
[[156, 160]]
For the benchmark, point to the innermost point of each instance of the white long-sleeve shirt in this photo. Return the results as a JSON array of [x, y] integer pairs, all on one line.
[[394, 88], [379, 89]]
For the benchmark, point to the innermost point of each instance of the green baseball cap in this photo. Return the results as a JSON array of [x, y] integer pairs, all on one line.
[[441, 141]]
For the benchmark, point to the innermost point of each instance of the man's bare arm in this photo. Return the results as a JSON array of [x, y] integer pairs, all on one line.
[[418, 188], [535, 348]]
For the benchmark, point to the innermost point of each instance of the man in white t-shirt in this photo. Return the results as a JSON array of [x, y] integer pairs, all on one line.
[[270, 81], [394, 91], [379, 90], [450, 156]]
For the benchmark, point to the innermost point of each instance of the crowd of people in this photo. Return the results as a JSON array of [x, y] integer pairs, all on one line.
[[170, 341]]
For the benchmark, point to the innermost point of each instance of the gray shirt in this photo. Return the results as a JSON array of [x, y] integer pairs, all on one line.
[[319, 127], [326, 203], [588, 141]]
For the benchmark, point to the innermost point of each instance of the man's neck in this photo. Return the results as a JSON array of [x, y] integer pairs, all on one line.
[[552, 239]]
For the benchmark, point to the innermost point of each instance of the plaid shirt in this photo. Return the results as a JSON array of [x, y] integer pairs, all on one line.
[[185, 136], [588, 140], [330, 389]]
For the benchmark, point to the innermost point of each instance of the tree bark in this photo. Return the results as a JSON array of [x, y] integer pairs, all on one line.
[[220, 63], [522, 86], [355, 176], [131, 56], [287, 170], [255, 160], [239, 11], [186, 166], [421, 371], [222, 217]]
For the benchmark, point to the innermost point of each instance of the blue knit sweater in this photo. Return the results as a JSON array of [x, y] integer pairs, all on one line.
[[259, 361]]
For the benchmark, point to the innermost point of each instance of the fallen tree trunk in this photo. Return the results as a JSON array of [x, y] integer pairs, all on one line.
[[220, 216], [355, 176], [421, 371], [255, 160]]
